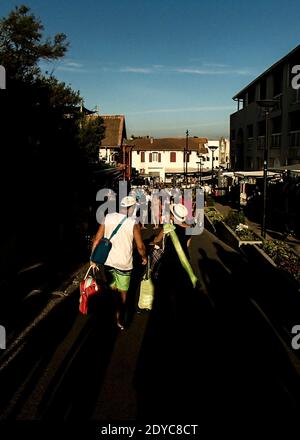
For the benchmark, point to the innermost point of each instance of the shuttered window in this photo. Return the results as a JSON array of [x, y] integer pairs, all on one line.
[[173, 156], [142, 156], [150, 157], [159, 157]]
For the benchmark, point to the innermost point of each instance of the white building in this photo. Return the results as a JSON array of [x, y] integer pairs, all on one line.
[[165, 158]]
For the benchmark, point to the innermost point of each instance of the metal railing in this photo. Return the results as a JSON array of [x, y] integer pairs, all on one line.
[[276, 140], [294, 138]]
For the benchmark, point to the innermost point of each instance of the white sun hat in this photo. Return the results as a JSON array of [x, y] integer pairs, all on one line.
[[128, 201], [179, 211]]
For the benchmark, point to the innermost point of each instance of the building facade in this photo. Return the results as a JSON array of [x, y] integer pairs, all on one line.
[[177, 157], [248, 124], [111, 149]]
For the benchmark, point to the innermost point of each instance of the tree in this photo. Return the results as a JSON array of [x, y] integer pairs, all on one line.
[[45, 153], [90, 135], [22, 46]]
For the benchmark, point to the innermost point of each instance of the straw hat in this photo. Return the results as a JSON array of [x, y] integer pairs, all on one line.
[[179, 211]]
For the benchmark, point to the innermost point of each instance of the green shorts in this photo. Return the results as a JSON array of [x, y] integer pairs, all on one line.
[[118, 279]]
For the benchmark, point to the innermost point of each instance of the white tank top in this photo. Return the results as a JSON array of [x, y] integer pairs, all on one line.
[[120, 255]]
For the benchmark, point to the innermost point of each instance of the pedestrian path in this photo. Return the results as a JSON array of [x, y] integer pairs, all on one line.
[[224, 346], [173, 364]]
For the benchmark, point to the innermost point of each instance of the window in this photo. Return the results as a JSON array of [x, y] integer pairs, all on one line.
[[294, 121], [251, 94], [159, 157], [207, 158], [150, 157], [277, 82], [250, 131], [143, 156], [261, 128], [173, 156], [263, 88], [276, 124], [155, 156]]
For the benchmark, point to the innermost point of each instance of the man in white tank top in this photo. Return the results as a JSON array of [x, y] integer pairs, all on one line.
[[119, 260]]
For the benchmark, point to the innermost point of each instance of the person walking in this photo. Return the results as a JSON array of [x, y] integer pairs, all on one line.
[[119, 263], [175, 278]]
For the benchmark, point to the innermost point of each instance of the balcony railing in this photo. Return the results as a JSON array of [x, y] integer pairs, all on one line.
[[294, 138], [261, 140], [250, 143], [294, 96], [276, 140]]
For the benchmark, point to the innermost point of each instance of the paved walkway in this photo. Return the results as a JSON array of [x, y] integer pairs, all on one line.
[[226, 346], [221, 358]]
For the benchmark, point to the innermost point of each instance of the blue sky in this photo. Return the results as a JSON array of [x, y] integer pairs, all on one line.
[[167, 65]]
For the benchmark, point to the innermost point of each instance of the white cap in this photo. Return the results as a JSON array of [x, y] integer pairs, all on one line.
[[128, 201]]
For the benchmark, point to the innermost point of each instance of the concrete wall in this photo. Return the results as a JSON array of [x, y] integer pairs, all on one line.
[[284, 148]]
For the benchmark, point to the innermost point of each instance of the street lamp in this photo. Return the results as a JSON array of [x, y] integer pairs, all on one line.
[[212, 149], [185, 155], [199, 173], [267, 105], [200, 163]]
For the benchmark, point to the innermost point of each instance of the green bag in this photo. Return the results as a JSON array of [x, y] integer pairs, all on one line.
[[146, 291], [170, 229]]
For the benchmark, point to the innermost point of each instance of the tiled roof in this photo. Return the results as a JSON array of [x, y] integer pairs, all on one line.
[[168, 144], [115, 130]]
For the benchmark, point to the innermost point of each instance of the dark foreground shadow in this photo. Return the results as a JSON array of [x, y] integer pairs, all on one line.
[[215, 362]]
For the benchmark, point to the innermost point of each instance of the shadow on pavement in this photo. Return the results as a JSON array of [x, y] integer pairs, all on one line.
[[215, 359]]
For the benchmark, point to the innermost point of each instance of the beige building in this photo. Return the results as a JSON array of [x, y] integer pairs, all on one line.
[[165, 158], [248, 123]]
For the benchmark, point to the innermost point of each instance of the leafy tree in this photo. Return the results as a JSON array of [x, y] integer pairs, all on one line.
[[45, 150], [22, 47], [90, 135]]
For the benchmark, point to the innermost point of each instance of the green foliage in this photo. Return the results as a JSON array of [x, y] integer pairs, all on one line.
[[45, 151], [283, 257], [22, 47], [90, 135], [234, 218], [247, 235], [214, 215]]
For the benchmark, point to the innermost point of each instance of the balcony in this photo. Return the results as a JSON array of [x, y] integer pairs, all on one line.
[[276, 140], [261, 140], [294, 96], [294, 138], [250, 143]]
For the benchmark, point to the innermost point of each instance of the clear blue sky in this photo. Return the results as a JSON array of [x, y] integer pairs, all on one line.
[[167, 65]]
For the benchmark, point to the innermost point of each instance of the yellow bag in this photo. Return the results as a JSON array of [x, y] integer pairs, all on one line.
[[146, 291]]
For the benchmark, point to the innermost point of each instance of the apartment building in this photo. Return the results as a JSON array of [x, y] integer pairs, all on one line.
[[248, 124]]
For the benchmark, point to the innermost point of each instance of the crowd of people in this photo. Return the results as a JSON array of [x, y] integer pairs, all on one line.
[[162, 208]]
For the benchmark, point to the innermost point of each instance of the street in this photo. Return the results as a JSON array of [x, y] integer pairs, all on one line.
[[223, 359]]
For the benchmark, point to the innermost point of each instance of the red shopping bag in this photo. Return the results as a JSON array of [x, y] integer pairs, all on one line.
[[88, 287]]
